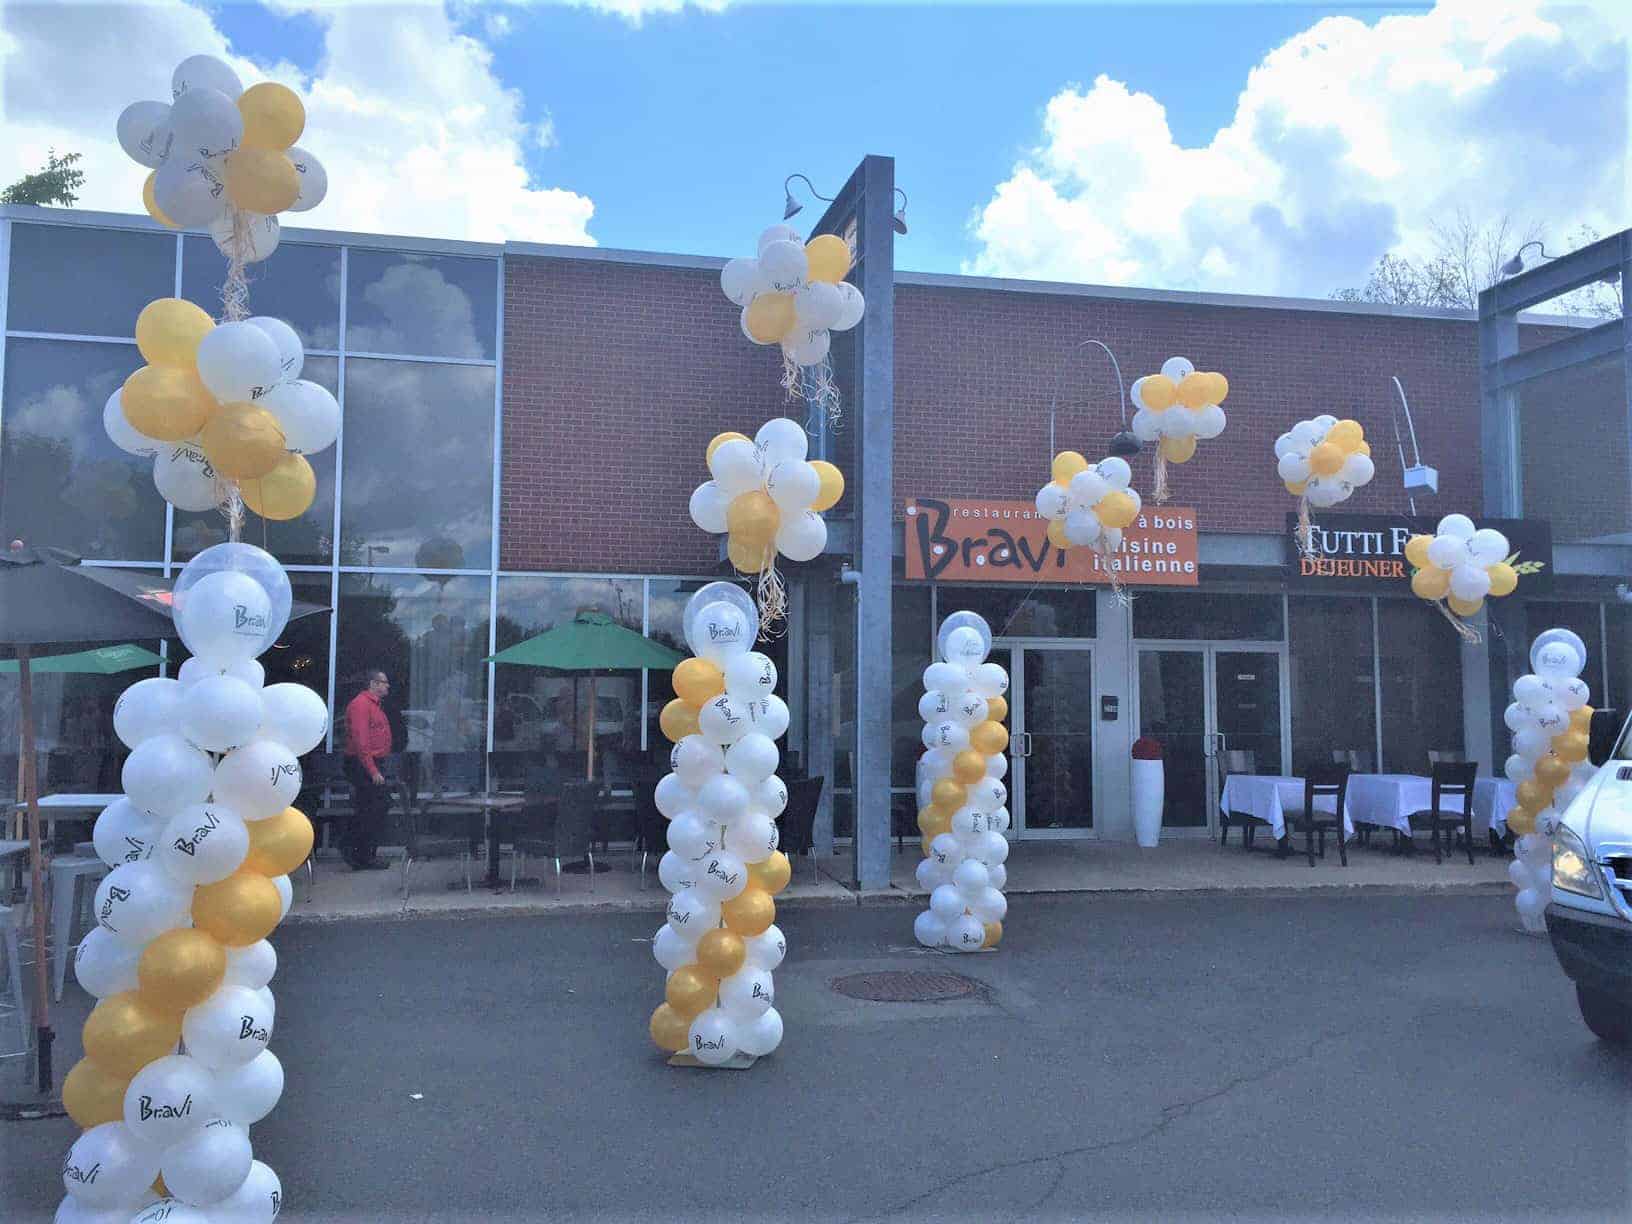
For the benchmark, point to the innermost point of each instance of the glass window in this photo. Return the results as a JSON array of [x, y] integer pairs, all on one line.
[[301, 286], [307, 540], [1421, 665], [62, 482], [52, 264], [1217, 616], [1583, 491], [1618, 620], [1068, 612], [421, 305], [911, 646], [418, 465], [1334, 697]]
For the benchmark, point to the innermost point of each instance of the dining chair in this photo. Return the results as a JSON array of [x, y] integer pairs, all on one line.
[[1236, 761], [1438, 756], [1451, 779], [797, 828], [430, 835], [1322, 782], [568, 835], [1357, 759], [325, 797]]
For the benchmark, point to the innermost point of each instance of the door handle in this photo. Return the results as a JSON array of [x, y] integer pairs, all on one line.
[[1022, 745]]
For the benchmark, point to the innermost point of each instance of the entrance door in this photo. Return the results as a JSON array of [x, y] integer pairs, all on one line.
[[1051, 744], [1214, 709]]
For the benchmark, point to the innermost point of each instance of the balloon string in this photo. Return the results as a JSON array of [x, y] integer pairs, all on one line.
[[235, 288], [1160, 493], [773, 601], [1468, 633], [1306, 529], [1123, 599]]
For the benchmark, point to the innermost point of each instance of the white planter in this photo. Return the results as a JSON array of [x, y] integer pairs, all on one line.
[[1148, 786]]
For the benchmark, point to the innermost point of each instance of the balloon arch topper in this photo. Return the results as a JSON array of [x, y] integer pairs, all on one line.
[[1090, 506], [1322, 462], [1458, 566], [794, 294], [1174, 409], [961, 795], [720, 942], [1550, 719], [201, 845]]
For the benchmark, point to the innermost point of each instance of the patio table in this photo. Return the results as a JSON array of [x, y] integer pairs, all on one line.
[[54, 807], [485, 802], [1388, 800], [1269, 798]]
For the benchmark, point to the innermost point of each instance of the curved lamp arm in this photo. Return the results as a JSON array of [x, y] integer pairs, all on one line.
[[1059, 382]]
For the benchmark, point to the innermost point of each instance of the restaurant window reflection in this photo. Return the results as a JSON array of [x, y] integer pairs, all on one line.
[[131, 268], [1068, 612], [301, 287], [1421, 667], [1618, 654], [421, 305], [1334, 693], [1211, 617], [62, 482]]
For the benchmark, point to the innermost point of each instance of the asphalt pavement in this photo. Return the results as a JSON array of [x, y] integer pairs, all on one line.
[[1407, 1057]]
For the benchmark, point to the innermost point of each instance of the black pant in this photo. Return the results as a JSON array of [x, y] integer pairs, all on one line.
[[369, 805]]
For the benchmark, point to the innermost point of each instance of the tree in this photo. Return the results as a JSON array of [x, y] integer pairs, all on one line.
[[58, 183]]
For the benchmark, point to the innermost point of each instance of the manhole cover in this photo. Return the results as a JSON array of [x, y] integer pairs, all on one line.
[[905, 987]]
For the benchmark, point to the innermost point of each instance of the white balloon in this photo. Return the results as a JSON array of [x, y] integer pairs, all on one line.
[[793, 485], [257, 1201], [245, 1094], [1116, 472], [947, 851], [694, 760], [314, 179], [251, 967], [1469, 582], [808, 348], [203, 844], [991, 680], [165, 773], [750, 675], [736, 467], [781, 440], [172, 1211], [818, 306], [777, 233], [671, 951], [207, 124], [741, 281], [802, 536], [966, 934], [224, 617], [970, 877], [928, 928], [1176, 368], [770, 796], [691, 836], [999, 875], [723, 720], [148, 708], [72, 1211], [205, 71], [990, 905], [208, 1164], [228, 1029], [308, 415], [930, 875], [291, 353], [1531, 743], [946, 734], [219, 713], [753, 758], [1531, 691], [722, 798], [784, 265], [1456, 526], [258, 780], [1179, 422], [255, 237], [1210, 422], [1087, 488], [1487, 547], [1324, 423], [121, 434], [708, 507], [1357, 470], [195, 669], [765, 950], [1146, 425], [747, 994], [754, 838], [105, 965], [970, 709], [167, 1098], [677, 874], [1572, 693], [691, 914], [769, 716], [946, 902], [145, 134], [673, 796], [1517, 769], [184, 477], [188, 191], [108, 1166], [1083, 528], [1285, 445], [1293, 467], [854, 307], [761, 1035], [295, 717], [713, 1038], [238, 362]]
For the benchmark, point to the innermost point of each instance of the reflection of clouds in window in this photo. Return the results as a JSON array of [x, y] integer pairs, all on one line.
[[421, 306], [49, 269], [301, 287], [530, 606]]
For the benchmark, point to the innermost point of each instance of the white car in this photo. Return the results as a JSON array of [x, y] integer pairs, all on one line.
[[1590, 916]]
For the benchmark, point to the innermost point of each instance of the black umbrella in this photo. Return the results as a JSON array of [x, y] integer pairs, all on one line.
[[48, 599]]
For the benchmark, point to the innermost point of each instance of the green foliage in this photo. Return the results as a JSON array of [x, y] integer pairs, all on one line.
[[58, 183]]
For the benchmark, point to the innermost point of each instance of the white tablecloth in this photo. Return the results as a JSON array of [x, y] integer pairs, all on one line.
[[1493, 798], [1387, 800], [1270, 798]]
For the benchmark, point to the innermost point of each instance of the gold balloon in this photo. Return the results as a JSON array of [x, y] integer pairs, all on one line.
[[677, 720], [180, 969], [92, 1096], [240, 910], [1581, 719], [1295, 487], [1178, 450], [1464, 607], [1326, 459], [1193, 388], [166, 403], [1552, 771], [969, 765], [769, 317], [752, 518], [721, 439], [691, 989], [279, 844], [1416, 550], [1363, 449], [671, 1032], [1056, 534], [1431, 583], [936, 823], [168, 331], [988, 737], [123, 1034], [152, 205], [832, 486], [772, 875], [1218, 387], [1066, 465], [997, 709], [1346, 435], [1571, 747], [994, 935], [1520, 821], [1533, 795], [1503, 579], [749, 558], [950, 793], [721, 952], [750, 912], [1116, 509], [925, 843], [284, 493], [273, 116], [697, 682], [829, 258], [261, 180], [242, 441], [1159, 392]]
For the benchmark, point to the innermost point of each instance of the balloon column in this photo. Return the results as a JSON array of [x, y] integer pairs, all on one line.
[[222, 407], [961, 795], [1176, 407], [201, 844], [1457, 566], [769, 501], [1322, 461], [222, 157], [794, 294], [720, 942], [1549, 718], [1090, 506]]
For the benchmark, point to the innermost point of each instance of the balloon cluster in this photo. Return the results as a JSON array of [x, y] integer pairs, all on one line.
[[1459, 565], [219, 406], [223, 157], [1089, 506], [201, 844], [794, 294], [720, 942], [961, 795], [1322, 462], [1549, 718], [1177, 406]]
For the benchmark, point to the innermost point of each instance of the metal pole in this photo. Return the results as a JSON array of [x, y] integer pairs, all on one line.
[[31, 796]]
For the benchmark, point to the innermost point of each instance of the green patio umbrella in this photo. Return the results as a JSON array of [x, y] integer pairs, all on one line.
[[591, 642], [103, 661]]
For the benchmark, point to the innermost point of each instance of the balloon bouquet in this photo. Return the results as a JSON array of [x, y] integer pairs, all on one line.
[[201, 844], [720, 942], [770, 500], [794, 294], [1458, 566], [961, 794], [1322, 462], [1176, 407], [1549, 718], [1090, 507]]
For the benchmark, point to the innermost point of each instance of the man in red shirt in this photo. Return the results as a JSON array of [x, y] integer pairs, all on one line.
[[368, 742]]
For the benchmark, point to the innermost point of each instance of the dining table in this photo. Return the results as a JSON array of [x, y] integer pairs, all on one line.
[[60, 807], [1493, 799], [487, 803], [1388, 801], [1270, 797]]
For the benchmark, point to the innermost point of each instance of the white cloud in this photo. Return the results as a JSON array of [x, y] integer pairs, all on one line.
[[1349, 140], [636, 11], [418, 134]]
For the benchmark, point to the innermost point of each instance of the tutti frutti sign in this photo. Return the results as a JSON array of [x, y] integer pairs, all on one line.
[[1355, 552]]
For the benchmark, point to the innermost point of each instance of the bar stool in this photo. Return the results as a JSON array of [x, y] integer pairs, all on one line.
[[69, 875]]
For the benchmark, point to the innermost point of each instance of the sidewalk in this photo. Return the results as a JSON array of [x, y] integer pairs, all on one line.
[[1178, 866]]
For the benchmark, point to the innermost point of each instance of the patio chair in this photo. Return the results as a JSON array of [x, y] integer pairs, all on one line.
[[427, 835], [1236, 761], [565, 836], [325, 797], [651, 830], [1454, 779], [797, 828], [455, 773], [1321, 782], [904, 819]]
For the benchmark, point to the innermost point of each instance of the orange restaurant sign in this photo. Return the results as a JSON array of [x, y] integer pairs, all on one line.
[[955, 540]]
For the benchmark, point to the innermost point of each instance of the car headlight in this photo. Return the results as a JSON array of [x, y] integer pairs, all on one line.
[[1573, 870]]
